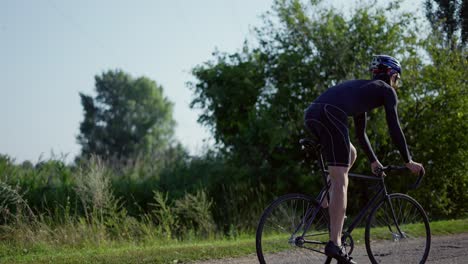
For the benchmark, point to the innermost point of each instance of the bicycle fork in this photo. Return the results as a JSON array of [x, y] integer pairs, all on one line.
[[400, 233]]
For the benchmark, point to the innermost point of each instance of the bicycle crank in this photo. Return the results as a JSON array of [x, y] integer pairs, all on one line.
[[348, 242]]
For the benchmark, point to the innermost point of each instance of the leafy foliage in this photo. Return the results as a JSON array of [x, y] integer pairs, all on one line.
[[436, 124], [302, 50], [253, 100]]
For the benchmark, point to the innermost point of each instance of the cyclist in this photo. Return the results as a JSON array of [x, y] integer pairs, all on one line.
[[327, 118]]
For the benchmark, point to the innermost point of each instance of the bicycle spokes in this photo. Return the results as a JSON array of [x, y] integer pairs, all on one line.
[[282, 231]]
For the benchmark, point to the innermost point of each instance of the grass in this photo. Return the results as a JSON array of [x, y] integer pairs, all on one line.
[[173, 251]]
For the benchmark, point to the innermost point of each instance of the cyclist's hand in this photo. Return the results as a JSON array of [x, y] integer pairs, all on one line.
[[375, 166], [415, 167]]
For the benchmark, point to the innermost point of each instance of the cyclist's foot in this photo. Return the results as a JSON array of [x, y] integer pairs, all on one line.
[[336, 252]]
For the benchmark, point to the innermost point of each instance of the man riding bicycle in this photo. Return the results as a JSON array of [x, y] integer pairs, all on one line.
[[327, 118]]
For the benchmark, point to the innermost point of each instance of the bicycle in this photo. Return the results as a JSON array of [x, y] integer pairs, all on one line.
[[295, 227]]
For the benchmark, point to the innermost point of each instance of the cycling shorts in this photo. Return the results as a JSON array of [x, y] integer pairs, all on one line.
[[330, 125]]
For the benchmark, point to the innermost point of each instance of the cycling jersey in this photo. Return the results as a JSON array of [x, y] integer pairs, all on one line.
[[327, 118]]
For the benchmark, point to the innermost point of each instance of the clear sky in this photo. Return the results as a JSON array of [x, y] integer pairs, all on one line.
[[50, 50]]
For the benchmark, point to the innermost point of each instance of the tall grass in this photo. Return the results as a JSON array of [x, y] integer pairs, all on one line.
[[187, 217], [95, 203]]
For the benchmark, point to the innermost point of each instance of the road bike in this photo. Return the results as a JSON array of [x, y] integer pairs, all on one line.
[[295, 227]]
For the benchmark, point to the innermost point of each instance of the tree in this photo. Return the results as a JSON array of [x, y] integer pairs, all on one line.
[[128, 117], [436, 115], [253, 100], [449, 17]]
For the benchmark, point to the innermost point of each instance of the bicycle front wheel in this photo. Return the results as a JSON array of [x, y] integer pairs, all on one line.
[[397, 231], [280, 231]]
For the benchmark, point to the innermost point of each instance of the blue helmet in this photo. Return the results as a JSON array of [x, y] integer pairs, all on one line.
[[384, 64]]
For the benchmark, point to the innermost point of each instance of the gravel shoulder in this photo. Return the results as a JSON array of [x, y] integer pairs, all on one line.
[[444, 249]]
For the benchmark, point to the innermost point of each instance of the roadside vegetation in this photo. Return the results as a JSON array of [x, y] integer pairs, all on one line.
[[173, 251]]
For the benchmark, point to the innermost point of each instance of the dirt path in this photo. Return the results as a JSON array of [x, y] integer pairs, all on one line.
[[444, 249]]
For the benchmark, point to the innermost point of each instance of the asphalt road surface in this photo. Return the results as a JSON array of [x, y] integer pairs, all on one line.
[[451, 249]]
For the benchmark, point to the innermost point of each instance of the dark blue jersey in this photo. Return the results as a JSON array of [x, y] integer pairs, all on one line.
[[357, 97]]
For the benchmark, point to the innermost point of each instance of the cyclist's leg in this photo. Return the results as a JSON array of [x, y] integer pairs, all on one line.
[[338, 201], [330, 125], [341, 155], [337, 211], [353, 155]]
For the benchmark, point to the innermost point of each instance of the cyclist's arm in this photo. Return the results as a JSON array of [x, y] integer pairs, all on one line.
[[360, 124], [396, 133]]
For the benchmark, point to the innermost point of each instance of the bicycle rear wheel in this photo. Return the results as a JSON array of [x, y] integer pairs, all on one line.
[[279, 234], [385, 243]]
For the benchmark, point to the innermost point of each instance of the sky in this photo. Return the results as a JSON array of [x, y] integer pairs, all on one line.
[[50, 51]]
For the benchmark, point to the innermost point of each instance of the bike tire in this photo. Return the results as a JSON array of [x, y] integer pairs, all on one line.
[[384, 244], [275, 238]]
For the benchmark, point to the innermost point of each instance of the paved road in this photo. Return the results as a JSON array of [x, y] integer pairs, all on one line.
[[444, 249]]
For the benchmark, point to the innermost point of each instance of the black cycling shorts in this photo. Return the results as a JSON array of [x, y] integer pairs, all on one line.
[[330, 124]]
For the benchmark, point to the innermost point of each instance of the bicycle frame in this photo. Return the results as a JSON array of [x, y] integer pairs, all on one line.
[[381, 195], [316, 218]]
